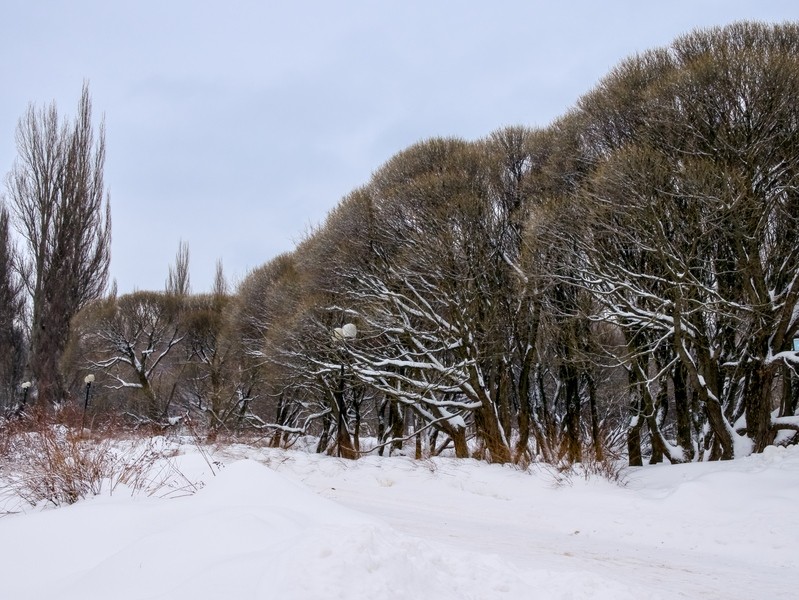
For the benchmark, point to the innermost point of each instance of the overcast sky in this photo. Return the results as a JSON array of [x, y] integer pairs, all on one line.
[[237, 125]]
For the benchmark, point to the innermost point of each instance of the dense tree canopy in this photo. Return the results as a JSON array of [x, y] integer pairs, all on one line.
[[623, 281]]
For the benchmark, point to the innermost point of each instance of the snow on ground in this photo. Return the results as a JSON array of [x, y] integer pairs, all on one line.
[[273, 524]]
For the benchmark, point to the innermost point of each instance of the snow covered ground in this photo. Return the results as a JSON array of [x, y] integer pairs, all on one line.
[[272, 524]]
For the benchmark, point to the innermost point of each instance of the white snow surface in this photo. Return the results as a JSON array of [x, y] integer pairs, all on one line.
[[273, 524]]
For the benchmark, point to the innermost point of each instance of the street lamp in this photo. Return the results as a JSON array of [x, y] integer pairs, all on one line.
[[345, 333], [25, 385], [88, 380]]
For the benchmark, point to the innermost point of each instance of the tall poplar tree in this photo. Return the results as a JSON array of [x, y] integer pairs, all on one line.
[[12, 340], [61, 212]]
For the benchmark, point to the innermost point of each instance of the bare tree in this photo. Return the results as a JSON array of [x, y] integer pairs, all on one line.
[[212, 379], [132, 341], [178, 281], [220, 287], [429, 298], [274, 374], [12, 340], [61, 210]]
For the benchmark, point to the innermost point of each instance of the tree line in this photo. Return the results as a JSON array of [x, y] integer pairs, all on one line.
[[620, 282]]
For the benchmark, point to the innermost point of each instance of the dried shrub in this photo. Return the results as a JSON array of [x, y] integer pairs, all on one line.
[[54, 465]]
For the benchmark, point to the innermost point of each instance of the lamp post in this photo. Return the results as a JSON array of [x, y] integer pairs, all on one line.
[[341, 335], [26, 386], [345, 333], [89, 379]]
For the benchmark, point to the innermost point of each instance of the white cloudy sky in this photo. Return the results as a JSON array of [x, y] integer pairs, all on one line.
[[236, 125]]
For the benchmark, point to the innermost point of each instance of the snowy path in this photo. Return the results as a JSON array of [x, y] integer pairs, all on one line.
[[650, 540]]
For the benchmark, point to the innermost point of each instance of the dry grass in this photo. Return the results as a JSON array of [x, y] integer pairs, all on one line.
[[610, 465], [45, 463]]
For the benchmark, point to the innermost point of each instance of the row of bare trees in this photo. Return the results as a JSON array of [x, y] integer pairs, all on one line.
[[463, 339], [687, 243], [624, 280], [630, 269]]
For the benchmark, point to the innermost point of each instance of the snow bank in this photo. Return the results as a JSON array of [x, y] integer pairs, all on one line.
[[276, 525]]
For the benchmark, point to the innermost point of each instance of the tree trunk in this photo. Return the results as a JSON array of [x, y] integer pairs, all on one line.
[[595, 434], [343, 440], [682, 407], [758, 408], [634, 456], [381, 424], [458, 437], [572, 434], [397, 424], [524, 416], [634, 443]]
